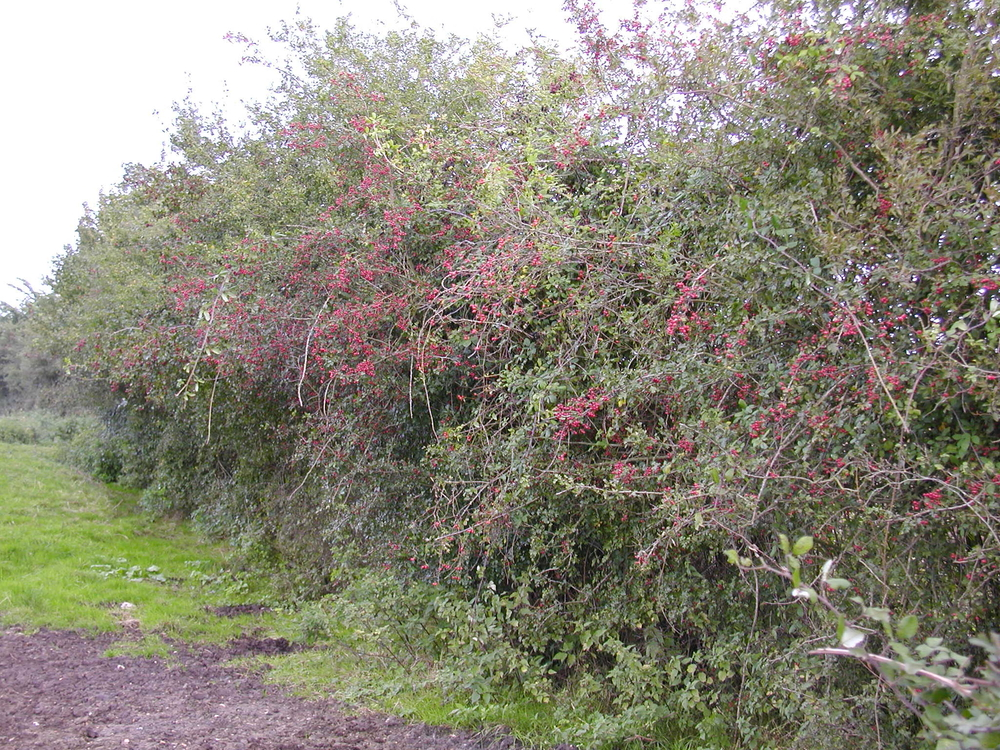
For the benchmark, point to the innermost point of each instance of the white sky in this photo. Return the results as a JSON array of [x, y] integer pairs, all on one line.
[[88, 87]]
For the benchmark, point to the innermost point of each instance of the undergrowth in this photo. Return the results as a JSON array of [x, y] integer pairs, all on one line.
[[416, 650], [39, 427]]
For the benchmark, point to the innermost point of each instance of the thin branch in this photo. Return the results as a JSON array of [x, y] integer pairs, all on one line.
[[305, 354], [964, 690]]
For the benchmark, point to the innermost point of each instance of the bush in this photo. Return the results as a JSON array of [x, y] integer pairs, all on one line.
[[14, 430], [92, 451], [43, 428]]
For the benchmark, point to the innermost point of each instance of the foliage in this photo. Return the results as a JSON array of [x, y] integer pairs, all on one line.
[[44, 427], [30, 373], [959, 710], [540, 337]]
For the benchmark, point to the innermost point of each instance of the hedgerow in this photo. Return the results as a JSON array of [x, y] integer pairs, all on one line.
[[541, 337]]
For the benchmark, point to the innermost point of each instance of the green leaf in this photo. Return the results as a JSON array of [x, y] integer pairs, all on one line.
[[901, 651], [783, 541], [802, 545], [946, 744], [879, 614], [851, 638], [838, 583], [907, 627]]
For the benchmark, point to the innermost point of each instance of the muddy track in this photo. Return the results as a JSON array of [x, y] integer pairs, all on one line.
[[59, 692]]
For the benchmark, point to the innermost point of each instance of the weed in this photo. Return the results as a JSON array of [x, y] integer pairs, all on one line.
[[149, 646]]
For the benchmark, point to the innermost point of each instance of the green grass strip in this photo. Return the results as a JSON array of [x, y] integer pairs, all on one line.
[[74, 553]]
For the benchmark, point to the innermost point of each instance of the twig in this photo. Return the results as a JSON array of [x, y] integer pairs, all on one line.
[[963, 690]]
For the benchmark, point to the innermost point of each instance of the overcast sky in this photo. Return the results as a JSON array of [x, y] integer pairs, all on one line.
[[88, 87]]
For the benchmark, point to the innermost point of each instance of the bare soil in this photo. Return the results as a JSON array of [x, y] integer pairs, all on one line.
[[59, 692]]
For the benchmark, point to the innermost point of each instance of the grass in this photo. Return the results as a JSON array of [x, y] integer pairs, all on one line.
[[407, 690], [73, 551]]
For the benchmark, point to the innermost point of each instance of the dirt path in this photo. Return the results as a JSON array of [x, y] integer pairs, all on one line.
[[58, 692]]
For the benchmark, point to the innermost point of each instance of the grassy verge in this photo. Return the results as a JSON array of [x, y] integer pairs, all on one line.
[[410, 690], [44, 428], [75, 554]]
